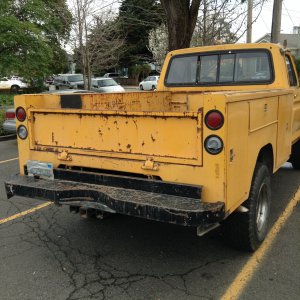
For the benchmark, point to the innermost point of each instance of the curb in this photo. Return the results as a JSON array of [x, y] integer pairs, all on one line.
[[8, 137]]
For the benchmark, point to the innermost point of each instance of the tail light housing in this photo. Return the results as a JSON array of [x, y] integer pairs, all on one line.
[[21, 114], [214, 119]]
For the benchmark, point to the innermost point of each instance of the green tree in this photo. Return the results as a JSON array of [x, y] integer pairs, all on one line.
[[137, 18], [31, 33]]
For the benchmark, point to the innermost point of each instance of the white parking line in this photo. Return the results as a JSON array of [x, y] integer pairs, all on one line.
[[8, 160]]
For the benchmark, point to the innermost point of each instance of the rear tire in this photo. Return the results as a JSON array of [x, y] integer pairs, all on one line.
[[247, 230], [153, 87], [295, 156], [141, 87]]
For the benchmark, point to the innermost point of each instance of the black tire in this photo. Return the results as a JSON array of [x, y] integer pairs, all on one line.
[[295, 156], [14, 89], [153, 87], [247, 230], [141, 87]]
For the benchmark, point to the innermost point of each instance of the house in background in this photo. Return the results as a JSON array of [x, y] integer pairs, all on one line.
[[291, 40]]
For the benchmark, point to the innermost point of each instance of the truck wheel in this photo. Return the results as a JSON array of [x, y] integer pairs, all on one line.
[[295, 156], [247, 230], [141, 87]]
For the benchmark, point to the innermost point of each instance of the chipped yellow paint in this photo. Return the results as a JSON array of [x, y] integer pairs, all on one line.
[[123, 132]]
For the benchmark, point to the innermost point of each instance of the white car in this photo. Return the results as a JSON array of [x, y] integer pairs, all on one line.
[[12, 85], [106, 85], [149, 83]]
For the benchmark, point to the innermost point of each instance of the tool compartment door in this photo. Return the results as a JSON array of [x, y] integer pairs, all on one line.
[[165, 136]]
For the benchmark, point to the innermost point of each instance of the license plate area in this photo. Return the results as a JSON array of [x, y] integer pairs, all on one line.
[[40, 169]]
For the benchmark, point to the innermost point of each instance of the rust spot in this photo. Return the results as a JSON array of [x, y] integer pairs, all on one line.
[[143, 143], [152, 138], [52, 137], [128, 146]]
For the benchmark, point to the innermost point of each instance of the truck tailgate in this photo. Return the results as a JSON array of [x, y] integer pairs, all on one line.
[[166, 136]]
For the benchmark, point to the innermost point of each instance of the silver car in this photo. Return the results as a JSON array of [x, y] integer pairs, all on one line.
[[106, 85], [9, 125], [68, 81]]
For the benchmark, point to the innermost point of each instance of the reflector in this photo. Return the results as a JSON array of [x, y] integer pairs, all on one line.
[[20, 114], [214, 119]]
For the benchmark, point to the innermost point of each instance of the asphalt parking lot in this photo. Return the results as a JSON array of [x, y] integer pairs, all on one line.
[[52, 254]]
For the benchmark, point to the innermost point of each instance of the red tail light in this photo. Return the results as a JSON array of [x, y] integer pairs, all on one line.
[[10, 115], [21, 114], [214, 119]]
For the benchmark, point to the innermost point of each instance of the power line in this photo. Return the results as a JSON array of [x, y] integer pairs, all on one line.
[[288, 14]]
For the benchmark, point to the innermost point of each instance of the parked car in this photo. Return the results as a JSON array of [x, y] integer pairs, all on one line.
[[149, 83], [106, 85], [12, 85], [9, 125], [111, 75], [49, 80], [68, 81]]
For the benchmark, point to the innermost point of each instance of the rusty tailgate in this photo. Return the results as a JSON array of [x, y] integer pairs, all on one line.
[[166, 136]]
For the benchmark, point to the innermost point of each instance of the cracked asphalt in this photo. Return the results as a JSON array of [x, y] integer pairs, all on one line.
[[52, 254]]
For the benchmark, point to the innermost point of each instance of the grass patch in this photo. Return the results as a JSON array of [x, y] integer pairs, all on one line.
[[6, 100]]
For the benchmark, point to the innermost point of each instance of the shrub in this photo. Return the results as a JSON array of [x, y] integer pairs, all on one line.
[[2, 118]]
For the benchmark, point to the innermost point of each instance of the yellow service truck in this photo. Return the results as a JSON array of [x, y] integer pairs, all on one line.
[[198, 152]]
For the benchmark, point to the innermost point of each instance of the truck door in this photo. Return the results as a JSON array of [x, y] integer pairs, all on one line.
[[294, 84]]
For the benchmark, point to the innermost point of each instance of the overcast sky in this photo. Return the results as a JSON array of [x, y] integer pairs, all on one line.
[[290, 17]]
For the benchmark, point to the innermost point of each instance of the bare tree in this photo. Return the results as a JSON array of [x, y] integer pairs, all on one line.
[[94, 36], [105, 43], [223, 21], [181, 20], [219, 21]]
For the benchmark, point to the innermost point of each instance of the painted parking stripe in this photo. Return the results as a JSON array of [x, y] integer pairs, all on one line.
[[24, 213], [245, 275], [8, 160]]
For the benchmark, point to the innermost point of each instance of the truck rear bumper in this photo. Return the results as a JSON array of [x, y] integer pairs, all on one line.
[[164, 207]]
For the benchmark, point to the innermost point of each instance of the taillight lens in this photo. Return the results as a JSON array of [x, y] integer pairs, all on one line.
[[214, 119], [22, 132], [213, 144], [21, 114], [10, 115]]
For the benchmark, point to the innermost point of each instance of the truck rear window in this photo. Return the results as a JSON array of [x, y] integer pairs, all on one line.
[[231, 67]]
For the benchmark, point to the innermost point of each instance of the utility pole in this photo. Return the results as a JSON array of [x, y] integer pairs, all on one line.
[[249, 21], [276, 21]]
